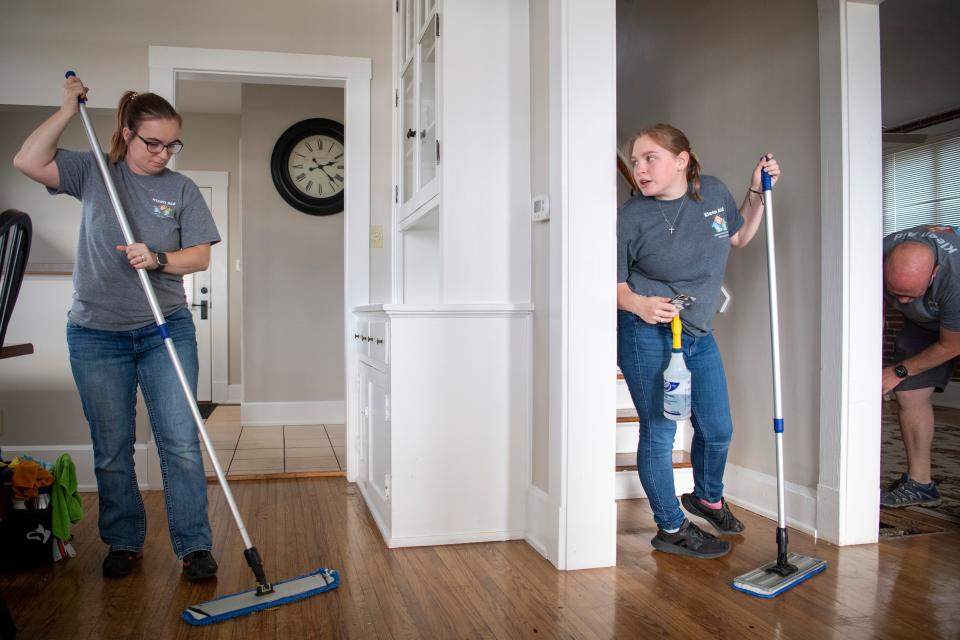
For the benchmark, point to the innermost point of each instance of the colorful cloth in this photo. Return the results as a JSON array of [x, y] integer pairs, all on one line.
[[28, 477]]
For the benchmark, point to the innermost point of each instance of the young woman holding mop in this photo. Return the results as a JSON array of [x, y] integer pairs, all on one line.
[[111, 333], [674, 238]]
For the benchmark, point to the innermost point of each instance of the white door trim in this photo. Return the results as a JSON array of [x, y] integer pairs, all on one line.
[[219, 269], [353, 74], [851, 264]]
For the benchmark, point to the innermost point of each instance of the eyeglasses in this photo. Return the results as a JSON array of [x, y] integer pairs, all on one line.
[[155, 146]]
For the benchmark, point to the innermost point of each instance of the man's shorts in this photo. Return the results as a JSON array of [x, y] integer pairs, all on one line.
[[911, 340]]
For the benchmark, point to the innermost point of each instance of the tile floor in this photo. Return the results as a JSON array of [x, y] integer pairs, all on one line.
[[273, 450]]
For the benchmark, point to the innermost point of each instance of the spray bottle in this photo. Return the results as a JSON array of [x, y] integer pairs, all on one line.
[[676, 379]]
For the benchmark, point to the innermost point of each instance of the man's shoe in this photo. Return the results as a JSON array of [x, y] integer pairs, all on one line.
[[722, 519], [907, 492], [691, 541], [199, 565], [120, 563]]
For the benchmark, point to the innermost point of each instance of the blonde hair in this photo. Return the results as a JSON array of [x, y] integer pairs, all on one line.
[[674, 141], [133, 110]]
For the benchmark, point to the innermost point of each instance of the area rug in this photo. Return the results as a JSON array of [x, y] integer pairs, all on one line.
[[944, 458]]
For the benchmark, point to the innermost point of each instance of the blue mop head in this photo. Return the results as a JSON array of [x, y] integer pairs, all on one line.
[[240, 604]]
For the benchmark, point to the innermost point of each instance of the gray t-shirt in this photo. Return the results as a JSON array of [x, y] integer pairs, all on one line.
[[165, 211], [691, 260], [940, 304]]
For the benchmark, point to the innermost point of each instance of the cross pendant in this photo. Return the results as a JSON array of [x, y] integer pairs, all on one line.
[[671, 230]]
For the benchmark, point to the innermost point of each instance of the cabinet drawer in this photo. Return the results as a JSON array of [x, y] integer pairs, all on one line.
[[379, 343]]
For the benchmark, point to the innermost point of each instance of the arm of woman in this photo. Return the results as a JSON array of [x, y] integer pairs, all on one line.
[[752, 207], [36, 157], [651, 309], [179, 263]]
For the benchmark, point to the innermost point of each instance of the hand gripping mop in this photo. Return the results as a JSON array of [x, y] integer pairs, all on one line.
[[265, 595], [789, 569]]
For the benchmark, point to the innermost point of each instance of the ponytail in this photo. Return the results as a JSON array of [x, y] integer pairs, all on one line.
[[674, 141], [693, 177], [134, 108]]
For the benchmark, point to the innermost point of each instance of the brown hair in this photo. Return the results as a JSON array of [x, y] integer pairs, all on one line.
[[674, 141], [133, 109]]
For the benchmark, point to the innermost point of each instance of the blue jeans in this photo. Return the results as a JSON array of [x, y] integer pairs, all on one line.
[[107, 367], [643, 353]]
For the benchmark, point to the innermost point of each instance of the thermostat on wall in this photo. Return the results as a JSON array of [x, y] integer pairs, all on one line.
[[541, 209]]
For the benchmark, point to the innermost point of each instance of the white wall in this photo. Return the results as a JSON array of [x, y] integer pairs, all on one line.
[[741, 79], [293, 262]]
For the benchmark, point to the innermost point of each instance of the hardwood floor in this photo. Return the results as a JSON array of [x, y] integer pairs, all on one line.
[[900, 588]]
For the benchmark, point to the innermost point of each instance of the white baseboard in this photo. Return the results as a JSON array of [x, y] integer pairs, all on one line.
[[543, 524], [464, 537], [253, 414], [629, 487], [757, 492], [82, 456]]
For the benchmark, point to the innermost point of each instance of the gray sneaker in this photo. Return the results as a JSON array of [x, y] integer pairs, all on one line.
[[907, 492]]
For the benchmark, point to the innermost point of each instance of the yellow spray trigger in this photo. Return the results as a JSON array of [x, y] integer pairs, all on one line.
[[676, 326]]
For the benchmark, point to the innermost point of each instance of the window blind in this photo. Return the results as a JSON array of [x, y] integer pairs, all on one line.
[[921, 185]]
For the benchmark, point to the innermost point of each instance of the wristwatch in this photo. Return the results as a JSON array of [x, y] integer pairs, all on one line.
[[161, 260], [900, 371]]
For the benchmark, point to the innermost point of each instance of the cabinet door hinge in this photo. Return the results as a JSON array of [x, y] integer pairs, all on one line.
[[438, 152], [396, 194], [398, 6], [386, 486], [396, 99], [438, 25], [386, 409]]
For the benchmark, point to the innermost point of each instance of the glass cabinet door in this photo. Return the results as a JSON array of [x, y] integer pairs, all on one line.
[[428, 111], [408, 133]]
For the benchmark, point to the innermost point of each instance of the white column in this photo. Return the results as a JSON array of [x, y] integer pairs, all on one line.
[[851, 247], [583, 292]]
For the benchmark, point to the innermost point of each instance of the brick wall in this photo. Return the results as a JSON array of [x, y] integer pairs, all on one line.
[[892, 323]]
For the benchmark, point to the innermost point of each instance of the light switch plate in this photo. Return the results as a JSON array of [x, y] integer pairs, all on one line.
[[376, 236]]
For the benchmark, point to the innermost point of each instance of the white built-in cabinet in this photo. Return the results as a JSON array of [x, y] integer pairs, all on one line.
[[443, 385]]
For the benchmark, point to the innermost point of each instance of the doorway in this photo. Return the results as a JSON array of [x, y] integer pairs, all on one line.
[[167, 64]]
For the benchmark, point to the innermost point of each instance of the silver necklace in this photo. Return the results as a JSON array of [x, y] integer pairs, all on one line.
[[672, 225]]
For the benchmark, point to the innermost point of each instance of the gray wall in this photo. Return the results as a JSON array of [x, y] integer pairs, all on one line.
[[741, 79], [106, 42], [292, 262], [212, 143], [540, 236]]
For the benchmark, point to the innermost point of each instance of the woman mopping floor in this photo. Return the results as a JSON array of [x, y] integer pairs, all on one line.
[[117, 343]]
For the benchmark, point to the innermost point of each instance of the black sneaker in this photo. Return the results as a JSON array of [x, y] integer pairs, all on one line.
[[691, 541], [120, 563], [722, 519], [199, 565], [907, 492]]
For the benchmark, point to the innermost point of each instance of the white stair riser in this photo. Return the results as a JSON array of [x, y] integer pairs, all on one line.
[[629, 487], [628, 434]]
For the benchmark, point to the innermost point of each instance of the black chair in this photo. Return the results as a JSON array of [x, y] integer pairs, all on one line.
[[15, 234]]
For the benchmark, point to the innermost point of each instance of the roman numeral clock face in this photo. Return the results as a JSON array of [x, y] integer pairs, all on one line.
[[308, 168]]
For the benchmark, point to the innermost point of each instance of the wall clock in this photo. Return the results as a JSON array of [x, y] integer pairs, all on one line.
[[307, 166]]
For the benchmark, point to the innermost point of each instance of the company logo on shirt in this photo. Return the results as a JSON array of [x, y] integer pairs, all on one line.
[[163, 208], [719, 226]]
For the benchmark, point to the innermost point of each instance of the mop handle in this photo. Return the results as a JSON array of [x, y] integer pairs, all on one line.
[[162, 328], [767, 183]]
